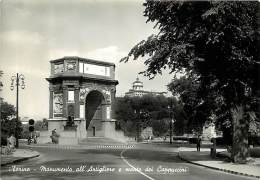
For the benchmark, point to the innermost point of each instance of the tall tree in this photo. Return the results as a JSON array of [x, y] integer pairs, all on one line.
[[150, 110], [9, 125], [1, 84], [187, 90], [218, 41]]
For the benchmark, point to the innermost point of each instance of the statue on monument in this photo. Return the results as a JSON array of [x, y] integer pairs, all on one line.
[[54, 137]]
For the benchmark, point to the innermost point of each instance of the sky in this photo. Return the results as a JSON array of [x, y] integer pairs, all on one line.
[[34, 32]]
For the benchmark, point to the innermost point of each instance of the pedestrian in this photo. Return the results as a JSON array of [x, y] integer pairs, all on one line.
[[34, 138], [53, 134], [198, 143], [55, 137], [11, 141]]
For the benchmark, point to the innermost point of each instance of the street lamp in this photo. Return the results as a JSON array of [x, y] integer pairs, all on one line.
[[139, 115], [170, 114], [170, 108], [17, 81]]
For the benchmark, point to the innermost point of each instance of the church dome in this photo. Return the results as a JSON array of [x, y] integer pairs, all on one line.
[[137, 84]]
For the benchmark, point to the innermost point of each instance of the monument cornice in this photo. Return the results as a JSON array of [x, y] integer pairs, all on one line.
[[92, 61], [81, 78]]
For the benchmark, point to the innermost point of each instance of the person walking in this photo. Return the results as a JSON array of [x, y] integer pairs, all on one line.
[[198, 143], [54, 137], [53, 134], [11, 142]]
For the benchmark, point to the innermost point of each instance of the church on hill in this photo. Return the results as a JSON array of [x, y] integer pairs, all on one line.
[[138, 91]]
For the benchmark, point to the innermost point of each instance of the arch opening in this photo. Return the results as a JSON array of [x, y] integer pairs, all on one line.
[[95, 110]]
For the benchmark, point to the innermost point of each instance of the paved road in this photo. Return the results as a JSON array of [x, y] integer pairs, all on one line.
[[118, 164]]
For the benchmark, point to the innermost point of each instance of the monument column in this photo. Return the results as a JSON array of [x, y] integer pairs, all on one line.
[[65, 97], [51, 102], [113, 95], [76, 99]]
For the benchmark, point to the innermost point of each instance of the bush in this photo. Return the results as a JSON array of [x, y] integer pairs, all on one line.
[[255, 152], [254, 140], [4, 139], [220, 141], [193, 140], [181, 138]]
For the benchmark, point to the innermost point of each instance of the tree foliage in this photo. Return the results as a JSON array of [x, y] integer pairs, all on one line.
[[151, 110], [9, 124], [186, 88], [1, 84], [217, 41], [40, 125], [7, 111]]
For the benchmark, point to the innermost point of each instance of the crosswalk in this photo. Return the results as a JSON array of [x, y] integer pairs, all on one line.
[[70, 147], [115, 146]]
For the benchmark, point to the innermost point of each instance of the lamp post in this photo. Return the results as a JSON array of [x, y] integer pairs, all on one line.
[[170, 108], [170, 114], [17, 81], [139, 116], [1, 99]]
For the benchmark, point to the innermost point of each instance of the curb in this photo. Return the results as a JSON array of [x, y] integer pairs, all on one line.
[[20, 160], [218, 169]]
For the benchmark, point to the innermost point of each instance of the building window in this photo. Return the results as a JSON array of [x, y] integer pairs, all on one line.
[[81, 111], [70, 95], [107, 73], [81, 67], [108, 112]]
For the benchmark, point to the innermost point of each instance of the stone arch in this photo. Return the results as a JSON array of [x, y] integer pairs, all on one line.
[[95, 112], [104, 91]]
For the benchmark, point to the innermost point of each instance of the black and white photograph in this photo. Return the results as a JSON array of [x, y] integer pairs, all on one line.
[[130, 89]]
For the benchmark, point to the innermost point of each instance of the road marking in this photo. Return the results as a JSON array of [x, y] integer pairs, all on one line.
[[145, 175], [68, 147]]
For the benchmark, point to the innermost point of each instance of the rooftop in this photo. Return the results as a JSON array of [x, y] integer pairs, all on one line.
[[83, 59], [137, 81]]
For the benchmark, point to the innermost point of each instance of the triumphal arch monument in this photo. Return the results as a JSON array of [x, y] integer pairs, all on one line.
[[82, 92]]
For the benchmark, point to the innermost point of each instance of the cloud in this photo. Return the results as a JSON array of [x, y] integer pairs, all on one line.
[[110, 53], [21, 37], [59, 53]]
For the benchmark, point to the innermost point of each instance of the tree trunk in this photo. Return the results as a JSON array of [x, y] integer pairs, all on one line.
[[240, 135]]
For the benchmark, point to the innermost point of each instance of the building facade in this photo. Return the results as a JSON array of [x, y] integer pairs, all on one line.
[[81, 94], [137, 90]]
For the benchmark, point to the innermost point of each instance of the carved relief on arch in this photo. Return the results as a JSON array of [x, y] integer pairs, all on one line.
[[104, 91], [107, 94], [83, 93]]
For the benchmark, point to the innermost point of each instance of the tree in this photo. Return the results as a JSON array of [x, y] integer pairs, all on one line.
[[1, 84], [9, 125], [150, 110], [7, 111], [40, 125], [186, 88], [197, 109], [217, 41]]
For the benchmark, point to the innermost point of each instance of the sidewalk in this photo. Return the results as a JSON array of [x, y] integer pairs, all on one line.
[[203, 159], [17, 156]]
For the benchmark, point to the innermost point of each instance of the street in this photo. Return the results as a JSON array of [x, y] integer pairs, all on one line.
[[144, 161]]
